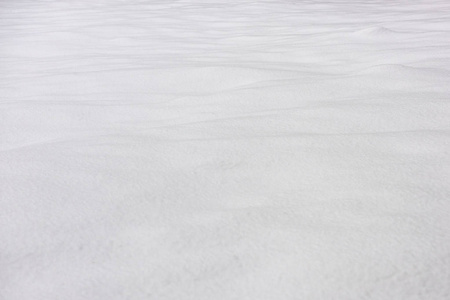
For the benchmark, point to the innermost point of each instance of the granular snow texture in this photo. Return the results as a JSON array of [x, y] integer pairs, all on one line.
[[218, 150]]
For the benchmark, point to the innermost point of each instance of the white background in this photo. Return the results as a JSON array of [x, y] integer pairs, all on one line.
[[278, 149]]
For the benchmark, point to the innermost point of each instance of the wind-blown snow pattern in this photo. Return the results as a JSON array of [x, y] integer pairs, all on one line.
[[193, 149]]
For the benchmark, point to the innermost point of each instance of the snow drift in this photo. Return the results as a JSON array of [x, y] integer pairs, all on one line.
[[224, 150]]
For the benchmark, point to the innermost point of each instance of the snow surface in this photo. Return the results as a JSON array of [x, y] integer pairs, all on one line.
[[194, 149]]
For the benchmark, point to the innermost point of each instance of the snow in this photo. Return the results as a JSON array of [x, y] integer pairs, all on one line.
[[194, 149]]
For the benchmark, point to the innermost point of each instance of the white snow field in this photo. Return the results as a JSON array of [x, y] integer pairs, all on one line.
[[227, 149]]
